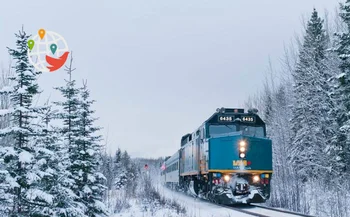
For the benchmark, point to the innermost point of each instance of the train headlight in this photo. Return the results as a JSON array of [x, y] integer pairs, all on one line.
[[226, 178], [256, 178], [242, 155], [242, 143], [242, 149]]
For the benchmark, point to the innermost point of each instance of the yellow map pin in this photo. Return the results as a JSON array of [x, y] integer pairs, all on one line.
[[41, 33]]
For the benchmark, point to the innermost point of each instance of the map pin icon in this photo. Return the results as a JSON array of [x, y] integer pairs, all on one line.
[[53, 48], [41, 33], [30, 44]]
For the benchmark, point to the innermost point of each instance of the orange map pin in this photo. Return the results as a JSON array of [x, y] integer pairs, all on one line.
[[41, 33]]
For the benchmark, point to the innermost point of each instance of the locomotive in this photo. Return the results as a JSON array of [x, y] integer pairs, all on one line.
[[227, 160]]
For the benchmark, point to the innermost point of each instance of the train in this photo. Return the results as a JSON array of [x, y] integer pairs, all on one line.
[[226, 160]]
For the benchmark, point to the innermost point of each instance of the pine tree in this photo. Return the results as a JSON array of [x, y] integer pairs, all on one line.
[[311, 112], [343, 93], [126, 173], [117, 167], [70, 135], [52, 158], [122, 161], [5, 195], [19, 155], [89, 182]]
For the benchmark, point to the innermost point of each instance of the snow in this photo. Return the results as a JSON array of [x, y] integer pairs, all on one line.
[[4, 112], [268, 212], [41, 162], [25, 157], [14, 129], [341, 75], [8, 151], [32, 177], [11, 181], [137, 210], [21, 90], [99, 205], [91, 152], [21, 109], [100, 176], [45, 151], [6, 89], [87, 190], [91, 178], [36, 193], [197, 207], [50, 170]]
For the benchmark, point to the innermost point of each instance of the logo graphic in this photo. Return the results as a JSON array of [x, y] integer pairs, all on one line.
[[241, 162], [48, 51]]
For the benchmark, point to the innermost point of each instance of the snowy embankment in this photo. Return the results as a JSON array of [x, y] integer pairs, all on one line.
[[146, 202], [199, 208]]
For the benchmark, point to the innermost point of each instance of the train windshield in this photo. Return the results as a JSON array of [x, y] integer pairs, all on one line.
[[221, 129], [256, 131]]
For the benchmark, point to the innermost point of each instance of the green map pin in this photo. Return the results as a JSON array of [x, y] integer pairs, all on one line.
[[53, 48], [30, 44]]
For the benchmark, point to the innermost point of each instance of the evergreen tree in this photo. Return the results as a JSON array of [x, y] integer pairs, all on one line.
[[18, 156], [70, 135], [89, 182], [311, 121], [343, 93], [116, 168], [122, 163], [126, 173], [107, 170], [52, 159]]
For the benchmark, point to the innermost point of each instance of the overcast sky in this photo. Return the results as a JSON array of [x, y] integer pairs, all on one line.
[[159, 68]]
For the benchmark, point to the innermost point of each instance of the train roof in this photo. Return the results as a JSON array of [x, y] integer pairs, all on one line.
[[235, 114], [173, 158]]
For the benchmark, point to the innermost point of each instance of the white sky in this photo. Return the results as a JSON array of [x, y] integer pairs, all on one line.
[[159, 68]]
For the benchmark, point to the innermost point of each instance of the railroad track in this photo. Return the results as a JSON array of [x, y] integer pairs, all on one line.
[[262, 211], [253, 209], [244, 211]]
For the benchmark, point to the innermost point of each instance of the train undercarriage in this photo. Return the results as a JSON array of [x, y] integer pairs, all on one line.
[[227, 189]]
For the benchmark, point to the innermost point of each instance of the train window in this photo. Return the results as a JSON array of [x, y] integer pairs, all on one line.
[[252, 131]]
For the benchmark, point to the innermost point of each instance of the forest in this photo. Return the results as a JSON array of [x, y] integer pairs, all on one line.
[[306, 106], [53, 159]]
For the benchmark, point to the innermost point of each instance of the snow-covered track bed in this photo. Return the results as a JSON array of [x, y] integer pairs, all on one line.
[[275, 211], [262, 211], [245, 209]]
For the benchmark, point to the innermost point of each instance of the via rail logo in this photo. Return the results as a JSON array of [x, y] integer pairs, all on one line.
[[48, 51]]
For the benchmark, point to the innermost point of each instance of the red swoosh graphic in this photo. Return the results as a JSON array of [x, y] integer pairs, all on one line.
[[56, 63]]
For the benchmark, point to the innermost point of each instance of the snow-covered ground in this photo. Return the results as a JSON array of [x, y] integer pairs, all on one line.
[[199, 208], [139, 210]]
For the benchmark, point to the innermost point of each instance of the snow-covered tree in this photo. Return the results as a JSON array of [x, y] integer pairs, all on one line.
[[126, 173], [18, 156], [89, 181], [69, 114], [311, 121], [5, 87], [52, 159], [343, 92]]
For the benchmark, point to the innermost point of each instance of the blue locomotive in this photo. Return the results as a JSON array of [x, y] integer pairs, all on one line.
[[227, 160]]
